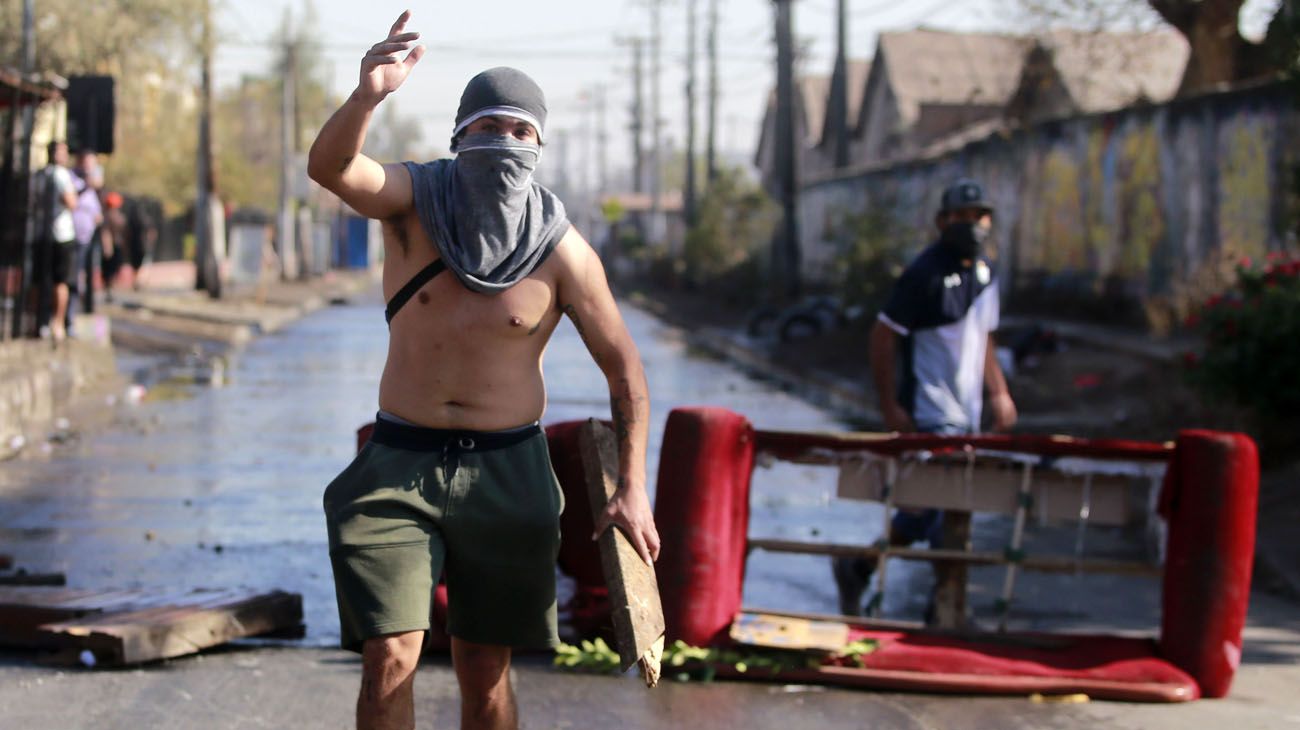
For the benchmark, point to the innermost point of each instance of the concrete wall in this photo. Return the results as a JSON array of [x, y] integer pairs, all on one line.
[[1127, 217], [39, 382]]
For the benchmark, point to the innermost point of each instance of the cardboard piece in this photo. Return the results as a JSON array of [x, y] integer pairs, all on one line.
[[788, 632]]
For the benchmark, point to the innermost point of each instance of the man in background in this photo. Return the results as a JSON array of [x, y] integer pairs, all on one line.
[[55, 247], [936, 332], [86, 220]]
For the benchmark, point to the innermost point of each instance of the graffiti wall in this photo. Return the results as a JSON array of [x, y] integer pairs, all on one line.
[[1126, 217]]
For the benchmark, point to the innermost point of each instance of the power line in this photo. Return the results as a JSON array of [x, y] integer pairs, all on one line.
[[334, 48]]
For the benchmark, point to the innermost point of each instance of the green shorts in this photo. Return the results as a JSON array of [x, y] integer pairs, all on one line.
[[483, 507]]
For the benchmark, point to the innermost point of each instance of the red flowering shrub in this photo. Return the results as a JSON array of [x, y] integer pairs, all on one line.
[[1251, 337]]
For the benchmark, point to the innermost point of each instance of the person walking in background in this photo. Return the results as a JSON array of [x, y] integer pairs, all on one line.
[[112, 240], [53, 263], [86, 219], [936, 332], [143, 221]]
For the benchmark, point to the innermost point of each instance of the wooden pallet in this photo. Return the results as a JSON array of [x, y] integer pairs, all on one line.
[[120, 627]]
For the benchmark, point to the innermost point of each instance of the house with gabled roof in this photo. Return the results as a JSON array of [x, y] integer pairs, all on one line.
[[1068, 72], [823, 157], [810, 97], [927, 84]]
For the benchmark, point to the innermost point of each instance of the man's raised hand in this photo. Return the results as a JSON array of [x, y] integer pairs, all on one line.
[[382, 71]]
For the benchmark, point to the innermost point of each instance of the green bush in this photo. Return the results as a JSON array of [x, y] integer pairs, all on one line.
[[733, 231], [870, 259], [1251, 333]]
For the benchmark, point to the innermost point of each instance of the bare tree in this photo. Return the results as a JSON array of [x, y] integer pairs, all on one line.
[[1219, 53]]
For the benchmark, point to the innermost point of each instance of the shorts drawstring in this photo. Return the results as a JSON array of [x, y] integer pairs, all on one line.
[[452, 448]]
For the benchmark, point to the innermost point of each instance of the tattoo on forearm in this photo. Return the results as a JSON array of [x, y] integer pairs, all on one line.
[[347, 162], [624, 405], [625, 401]]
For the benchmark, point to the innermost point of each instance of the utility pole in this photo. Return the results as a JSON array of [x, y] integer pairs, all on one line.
[[636, 126], [21, 207], [656, 164], [710, 145], [638, 115], [785, 249], [286, 234], [560, 138], [688, 195], [839, 101], [584, 168], [207, 274], [602, 141]]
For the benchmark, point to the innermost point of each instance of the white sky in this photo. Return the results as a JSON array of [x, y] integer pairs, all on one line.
[[569, 46]]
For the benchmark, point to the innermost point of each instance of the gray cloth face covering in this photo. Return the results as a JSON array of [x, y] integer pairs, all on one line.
[[492, 224]]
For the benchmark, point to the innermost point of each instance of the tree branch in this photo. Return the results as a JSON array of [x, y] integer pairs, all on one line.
[[1181, 14]]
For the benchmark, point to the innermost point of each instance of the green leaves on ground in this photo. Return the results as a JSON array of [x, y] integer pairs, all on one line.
[[683, 662]]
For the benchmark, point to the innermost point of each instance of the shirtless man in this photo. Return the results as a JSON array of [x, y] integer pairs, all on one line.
[[457, 476]]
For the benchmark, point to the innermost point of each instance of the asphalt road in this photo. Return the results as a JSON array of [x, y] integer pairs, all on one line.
[[147, 501]]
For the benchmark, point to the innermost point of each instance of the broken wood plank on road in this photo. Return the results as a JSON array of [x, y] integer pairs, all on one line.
[[150, 633], [129, 627], [23, 610], [633, 590], [21, 577]]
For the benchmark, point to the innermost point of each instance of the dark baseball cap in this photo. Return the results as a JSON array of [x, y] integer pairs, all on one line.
[[964, 193]]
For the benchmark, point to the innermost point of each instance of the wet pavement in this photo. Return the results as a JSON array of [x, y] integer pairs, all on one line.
[[205, 486], [202, 486]]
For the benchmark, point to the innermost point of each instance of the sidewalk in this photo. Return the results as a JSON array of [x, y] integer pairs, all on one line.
[[168, 315], [50, 394]]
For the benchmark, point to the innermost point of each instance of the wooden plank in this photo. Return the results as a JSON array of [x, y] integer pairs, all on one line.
[[875, 624], [814, 447], [21, 577], [1040, 563], [788, 632], [993, 485], [1038, 641], [24, 610], [950, 575], [163, 632], [633, 590]]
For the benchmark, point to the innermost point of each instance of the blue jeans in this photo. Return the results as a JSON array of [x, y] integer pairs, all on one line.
[[910, 525]]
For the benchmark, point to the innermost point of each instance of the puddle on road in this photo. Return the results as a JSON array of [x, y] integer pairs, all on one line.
[[173, 389], [244, 467]]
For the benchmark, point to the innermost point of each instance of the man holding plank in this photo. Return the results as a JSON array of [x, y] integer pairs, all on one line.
[[457, 477]]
